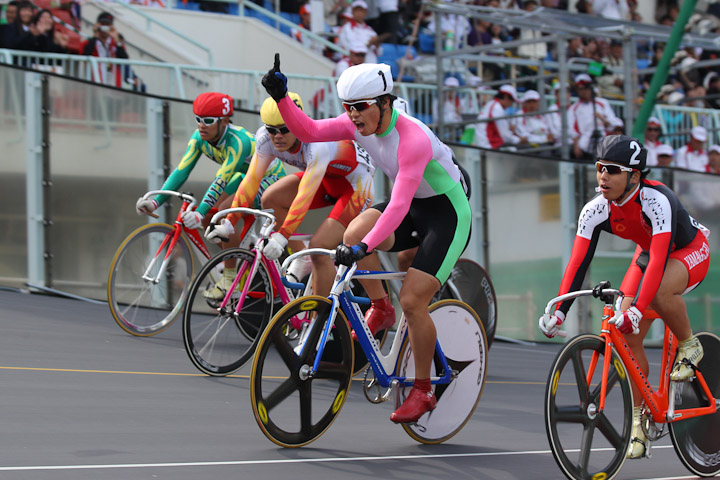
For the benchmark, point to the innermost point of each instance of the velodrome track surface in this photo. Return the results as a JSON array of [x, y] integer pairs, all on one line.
[[82, 399]]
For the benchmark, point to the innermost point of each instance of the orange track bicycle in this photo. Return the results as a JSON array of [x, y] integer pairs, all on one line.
[[589, 400]]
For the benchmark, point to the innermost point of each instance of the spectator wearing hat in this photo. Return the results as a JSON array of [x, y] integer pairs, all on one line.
[[652, 140], [358, 31], [533, 129], [692, 156], [493, 131], [612, 83], [589, 117], [106, 43], [303, 27], [617, 127], [357, 55], [664, 156], [713, 165], [451, 102]]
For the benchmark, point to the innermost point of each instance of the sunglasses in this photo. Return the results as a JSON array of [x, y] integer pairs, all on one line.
[[358, 106], [206, 120], [277, 130], [611, 168]]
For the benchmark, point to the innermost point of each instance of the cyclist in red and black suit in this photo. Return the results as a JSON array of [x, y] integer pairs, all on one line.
[[672, 258]]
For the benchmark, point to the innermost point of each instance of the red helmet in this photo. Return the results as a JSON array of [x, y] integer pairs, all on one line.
[[213, 104]]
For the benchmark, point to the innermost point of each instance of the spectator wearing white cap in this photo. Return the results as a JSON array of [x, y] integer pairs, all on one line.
[[357, 55], [713, 165], [652, 140], [555, 118], [534, 129], [495, 131], [664, 156], [692, 156], [357, 31], [589, 117], [451, 102], [617, 127]]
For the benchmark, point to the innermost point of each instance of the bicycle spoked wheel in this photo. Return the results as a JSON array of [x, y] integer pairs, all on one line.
[[462, 339], [585, 442], [144, 307], [218, 340], [696, 440], [292, 407], [473, 287]]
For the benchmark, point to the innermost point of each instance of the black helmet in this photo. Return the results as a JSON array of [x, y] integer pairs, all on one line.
[[623, 150]]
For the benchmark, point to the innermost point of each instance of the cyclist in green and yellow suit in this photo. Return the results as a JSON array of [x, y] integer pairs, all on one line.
[[230, 146]]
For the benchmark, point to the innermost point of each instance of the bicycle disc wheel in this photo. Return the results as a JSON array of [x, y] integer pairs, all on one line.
[[220, 341], [585, 442], [470, 283], [462, 339], [146, 307], [696, 440], [292, 407]]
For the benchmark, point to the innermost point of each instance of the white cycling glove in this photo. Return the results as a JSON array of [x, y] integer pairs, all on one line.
[[220, 232], [145, 206], [550, 324], [628, 321], [192, 219], [275, 246]]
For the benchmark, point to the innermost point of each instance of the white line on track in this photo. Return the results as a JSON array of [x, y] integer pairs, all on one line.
[[288, 461]]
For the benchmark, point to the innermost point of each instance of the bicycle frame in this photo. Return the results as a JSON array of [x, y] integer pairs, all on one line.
[[661, 402], [171, 240], [342, 298]]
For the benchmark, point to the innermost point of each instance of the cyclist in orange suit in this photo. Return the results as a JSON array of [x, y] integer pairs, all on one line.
[[672, 258], [331, 173]]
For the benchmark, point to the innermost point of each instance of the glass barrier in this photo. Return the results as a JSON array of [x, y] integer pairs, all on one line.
[[13, 211]]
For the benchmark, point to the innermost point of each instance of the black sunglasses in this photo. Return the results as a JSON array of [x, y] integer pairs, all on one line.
[[277, 130]]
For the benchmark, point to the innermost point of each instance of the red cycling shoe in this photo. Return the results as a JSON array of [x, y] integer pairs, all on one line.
[[418, 402], [380, 316]]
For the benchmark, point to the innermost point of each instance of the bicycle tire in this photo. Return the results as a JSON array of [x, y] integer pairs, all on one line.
[[462, 337], [696, 440], [140, 307], [291, 408], [475, 289], [220, 342], [571, 416]]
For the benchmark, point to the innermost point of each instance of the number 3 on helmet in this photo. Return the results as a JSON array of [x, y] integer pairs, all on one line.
[[213, 104]]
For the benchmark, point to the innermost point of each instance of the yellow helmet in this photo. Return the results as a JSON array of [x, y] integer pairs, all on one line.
[[269, 112]]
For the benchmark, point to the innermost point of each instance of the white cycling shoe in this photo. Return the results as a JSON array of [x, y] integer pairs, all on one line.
[[638, 440], [223, 285], [690, 352]]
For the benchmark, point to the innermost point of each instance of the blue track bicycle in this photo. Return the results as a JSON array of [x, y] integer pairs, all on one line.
[[299, 385]]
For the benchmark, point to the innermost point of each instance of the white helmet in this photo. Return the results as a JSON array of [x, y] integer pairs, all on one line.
[[366, 80]]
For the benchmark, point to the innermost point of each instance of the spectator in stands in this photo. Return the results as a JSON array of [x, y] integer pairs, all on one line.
[[357, 55], [358, 31], [299, 33], [479, 33], [713, 165], [10, 15], [43, 36], [16, 35], [617, 127], [692, 156], [107, 42], [538, 49], [453, 28], [590, 117], [611, 9], [584, 6], [711, 82], [652, 140], [555, 120], [451, 102], [665, 156], [389, 20], [494, 131], [536, 129], [611, 84]]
